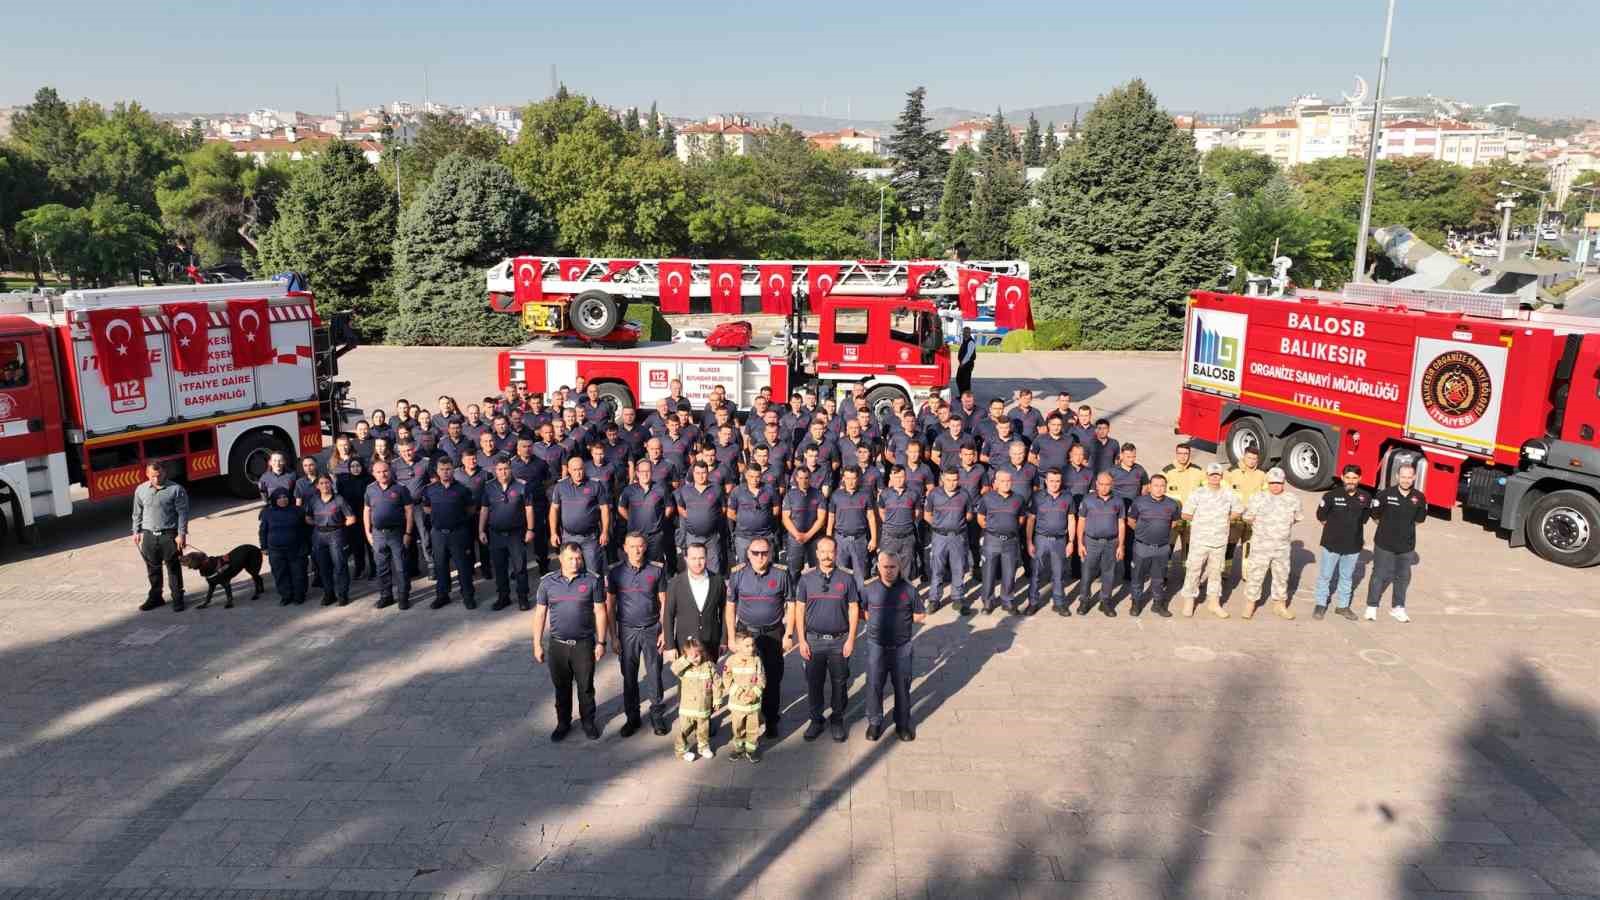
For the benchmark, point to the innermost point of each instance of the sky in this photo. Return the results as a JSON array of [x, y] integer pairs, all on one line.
[[698, 58]]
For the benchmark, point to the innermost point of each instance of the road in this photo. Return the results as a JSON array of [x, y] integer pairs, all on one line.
[[285, 752], [1584, 300]]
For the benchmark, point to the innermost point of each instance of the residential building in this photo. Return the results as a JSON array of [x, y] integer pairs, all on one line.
[[965, 134], [1565, 165], [1208, 136], [288, 143], [736, 134], [849, 139], [1278, 139], [1324, 134]]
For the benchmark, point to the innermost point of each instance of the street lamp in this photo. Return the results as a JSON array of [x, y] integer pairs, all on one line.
[[1538, 222], [902, 178], [1372, 150]]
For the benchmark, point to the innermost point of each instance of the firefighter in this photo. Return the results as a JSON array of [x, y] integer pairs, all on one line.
[[1151, 518], [329, 515], [505, 527], [1003, 518], [899, 509], [947, 513], [701, 516], [646, 507], [1101, 531], [803, 519], [413, 474], [388, 523], [1246, 480], [1399, 509], [580, 513], [853, 524], [1209, 511], [752, 512], [974, 479], [1051, 538], [475, 476], [453, 515]]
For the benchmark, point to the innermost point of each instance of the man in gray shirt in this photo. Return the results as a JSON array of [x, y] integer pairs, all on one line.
[[160, 531]]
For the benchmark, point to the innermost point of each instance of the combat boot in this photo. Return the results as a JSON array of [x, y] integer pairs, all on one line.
[[1282, 610], [1249, 611], [1215, 607], [1188, 607]]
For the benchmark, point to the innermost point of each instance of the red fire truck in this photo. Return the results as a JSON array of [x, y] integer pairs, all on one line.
[[874, 322], [62, 424], [1496, 407]]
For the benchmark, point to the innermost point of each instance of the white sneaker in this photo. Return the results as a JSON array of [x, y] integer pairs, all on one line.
[[688, 756], [707, 753], [1372, 614], [1398, 613]]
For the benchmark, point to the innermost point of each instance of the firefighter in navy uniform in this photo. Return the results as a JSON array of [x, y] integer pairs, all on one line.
[[1101, 527], [827, 611], [505, 526], [1003, 518], [474, 476], [758, 597], [947, 512], [1152, 518], [1050, 542], [388, 525], [636, 593], [899, 508], [803, 519], [645, 507], [453, 515], [853, 524], [701, 517], [580, 512], [412, 472], [753, 512], [571, 606], [329, 515]]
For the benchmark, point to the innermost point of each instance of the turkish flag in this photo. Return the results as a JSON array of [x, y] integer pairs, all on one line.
[[617, 266], [249, 334], [777, 289], [673, 288], [529, 279], [118, 336], [572, 269], [186, 326], [1011, 305], [725, 278], [968, 281], [820, 280], [914, 275]]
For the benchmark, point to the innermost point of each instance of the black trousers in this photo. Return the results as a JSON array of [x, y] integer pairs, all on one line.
[[572, 664], [827, 665], [1389, 570], [389, 555], [640, 644], [450, 548], [509, 556], [964, 378], [355, 542], [658, 549], [1150, 572], [160, 551], [769, 647]]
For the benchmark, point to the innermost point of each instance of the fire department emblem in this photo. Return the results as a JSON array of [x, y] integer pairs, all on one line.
[[6, 406], [772, 583], [583, 589], [1456, 389], [904, 354]]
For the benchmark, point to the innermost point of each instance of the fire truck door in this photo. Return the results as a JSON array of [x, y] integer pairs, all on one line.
[[910, 343], [23, 416]]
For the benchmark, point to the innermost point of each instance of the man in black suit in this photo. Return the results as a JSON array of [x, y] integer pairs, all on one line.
[[694, 605]]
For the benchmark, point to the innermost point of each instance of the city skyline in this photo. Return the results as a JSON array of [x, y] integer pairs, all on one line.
[[853, 61]]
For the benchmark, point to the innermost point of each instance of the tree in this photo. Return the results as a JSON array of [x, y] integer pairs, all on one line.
[[1581, 198], [23, 185], [1241, 173], [652, 125], [1274, 220], [1051, 149], [216, 204], [1000, 190], [122, 238], [47, 131], [336, 225], [1032, 143], [1126, 226], [1483, 185], [919, 154], [955, 207], [630, 120], [998, 141], [1426, 195], [125, 151], [470, 216], [93, 245], [61, 239], [438, 136]]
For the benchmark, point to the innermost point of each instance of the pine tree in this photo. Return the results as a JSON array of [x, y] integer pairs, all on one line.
[[1032, 143], [998, 141], [1072, 134], [652, 126], [955, 206], [1127, 224], [1000, 190], [669, 137], [919, 153], [1051, 149], [630, 120]]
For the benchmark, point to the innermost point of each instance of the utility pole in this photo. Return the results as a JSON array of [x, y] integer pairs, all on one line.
[[1372, 150], [1507, 203]]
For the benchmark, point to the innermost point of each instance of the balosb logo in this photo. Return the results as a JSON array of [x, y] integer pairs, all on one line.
[[1456, 389]]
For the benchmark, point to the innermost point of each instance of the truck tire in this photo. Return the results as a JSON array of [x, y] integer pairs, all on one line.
[[617, 395], [248, 460], [1564, 527], [1243, 433], [594, 314], [881, 400], [1308, 460]]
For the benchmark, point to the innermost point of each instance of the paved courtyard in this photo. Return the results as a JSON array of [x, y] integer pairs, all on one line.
[[288, 752]]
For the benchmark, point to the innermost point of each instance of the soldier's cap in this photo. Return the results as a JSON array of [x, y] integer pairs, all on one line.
[[1216, 469], [1275, 475]]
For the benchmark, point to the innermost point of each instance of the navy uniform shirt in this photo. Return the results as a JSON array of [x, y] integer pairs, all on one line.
[[1152, 519], [849, 509], [1024, 478], [889, 611], [729, 455], [270, 483], [701, 510], [1081, 434], [285, 526], [780, 455], [753, 511], [973, 481], [989, 439], [472, 431], [474, 482], [1051, 512], [507, 505], [638, 593], [304, 490], [594, 413], [412, 476], [451, 507], [534, 473], [1002, 515], [646, 507], [920, 478], [676, 450], [505, 443], [1100, 516], [388, 505], [759, 597], [1028, 422], [1103, 457], [772, 478], [803, 507], [1078, 482], [1128, 483], [723, 480], [457, 449], [571, 604], [604, 473], [619, 454], [845, 448], [950, 447], [827, 599], [580, 505], [1052, 452], [385, 431], [949, 511], [326, 513], [552, 455], [576, 443], [898, 441], [427, 441], [899, 509], [667, 474], [827, 451], [633, 438], [794, 425], [871, 479]]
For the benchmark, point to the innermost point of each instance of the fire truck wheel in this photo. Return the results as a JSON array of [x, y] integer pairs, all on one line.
[[248, 461], [1308, 460], [595, 314], [1564, 527], [881, 400], [1243, 433], [616, 394]]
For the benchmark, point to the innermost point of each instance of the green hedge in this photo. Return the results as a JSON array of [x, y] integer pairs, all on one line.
[[653, 326], [1057, 334], [1016, 341]]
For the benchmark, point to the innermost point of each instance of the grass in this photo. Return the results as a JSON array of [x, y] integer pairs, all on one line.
[[25, 282]]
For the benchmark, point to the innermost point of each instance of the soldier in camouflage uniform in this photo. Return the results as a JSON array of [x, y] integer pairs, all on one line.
[[1209, 511], [1271, 514]]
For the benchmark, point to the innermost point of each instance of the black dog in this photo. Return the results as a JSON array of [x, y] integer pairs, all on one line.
[[218, 571]]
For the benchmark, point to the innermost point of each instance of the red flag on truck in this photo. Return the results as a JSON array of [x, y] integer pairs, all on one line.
[[529, 279], [1011, 306], [820, 280], [248, 331], [914, 275], [617, 266], [572, 269], [777, 289], [118, 337], [674, 286], [186, 328], [968, 281], [725, 288]]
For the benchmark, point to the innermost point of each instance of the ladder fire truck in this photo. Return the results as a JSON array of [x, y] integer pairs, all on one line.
[[62, 424], [874, 322], [1496, 407]]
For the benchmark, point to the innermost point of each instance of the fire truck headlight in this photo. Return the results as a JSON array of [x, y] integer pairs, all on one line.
[[1535, 451]]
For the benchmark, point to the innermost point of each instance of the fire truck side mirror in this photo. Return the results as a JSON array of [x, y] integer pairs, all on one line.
[[341, 331]]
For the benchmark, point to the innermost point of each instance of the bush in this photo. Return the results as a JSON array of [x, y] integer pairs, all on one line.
[[1560, 288], [653, 326], [1057, 334], [1017, 341]]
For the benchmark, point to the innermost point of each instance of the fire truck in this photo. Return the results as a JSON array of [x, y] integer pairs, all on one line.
[[874, 322], [1496, 407], [62, 424]]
